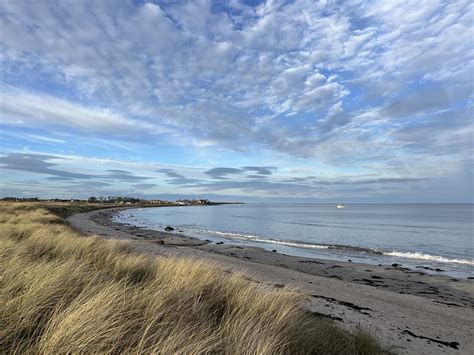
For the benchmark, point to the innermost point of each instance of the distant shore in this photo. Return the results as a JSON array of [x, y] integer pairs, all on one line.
[[413, 311]]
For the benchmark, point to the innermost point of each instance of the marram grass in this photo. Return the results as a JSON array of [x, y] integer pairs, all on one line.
[[61, 292]]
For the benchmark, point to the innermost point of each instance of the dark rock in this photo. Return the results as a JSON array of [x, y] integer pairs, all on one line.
[[395, 265], [349, 260], [274, 251], [168, 228], [218, 243]]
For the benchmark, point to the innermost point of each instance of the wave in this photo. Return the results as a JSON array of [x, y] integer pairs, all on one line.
[[127, 218], [341, 247], [421, 256], [293, 243], [256, 238]]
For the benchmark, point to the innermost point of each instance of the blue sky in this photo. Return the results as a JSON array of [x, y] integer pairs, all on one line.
[[352, 101]]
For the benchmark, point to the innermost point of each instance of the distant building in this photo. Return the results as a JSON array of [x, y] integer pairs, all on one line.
[[157, 202], [193, 202]]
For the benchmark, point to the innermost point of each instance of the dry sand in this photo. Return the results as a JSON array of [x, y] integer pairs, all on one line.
[[410, 311]]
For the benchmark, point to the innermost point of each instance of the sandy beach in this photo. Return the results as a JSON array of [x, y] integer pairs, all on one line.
[[412, 312]]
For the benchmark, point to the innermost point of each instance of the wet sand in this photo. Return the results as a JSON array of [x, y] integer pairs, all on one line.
[[411, 311]]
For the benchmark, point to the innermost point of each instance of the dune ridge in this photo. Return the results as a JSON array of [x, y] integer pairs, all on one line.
[[62, 292]]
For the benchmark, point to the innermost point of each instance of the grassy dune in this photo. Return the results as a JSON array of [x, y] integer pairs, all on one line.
[[61, 292]]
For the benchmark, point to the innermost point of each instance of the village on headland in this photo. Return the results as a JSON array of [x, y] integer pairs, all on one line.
[[123, 201]]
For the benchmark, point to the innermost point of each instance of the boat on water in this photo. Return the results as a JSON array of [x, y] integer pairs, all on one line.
[[340, 205]]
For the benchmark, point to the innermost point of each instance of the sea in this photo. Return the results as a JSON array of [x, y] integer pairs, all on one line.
[[433, 238]]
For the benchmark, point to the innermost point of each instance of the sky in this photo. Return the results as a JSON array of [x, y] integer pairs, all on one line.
[[304, 101]]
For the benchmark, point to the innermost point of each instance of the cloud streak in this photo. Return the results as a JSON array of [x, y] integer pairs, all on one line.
[[19, 108], [62, 172]]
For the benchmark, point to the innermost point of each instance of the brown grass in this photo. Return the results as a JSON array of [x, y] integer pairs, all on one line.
[[61, 292]]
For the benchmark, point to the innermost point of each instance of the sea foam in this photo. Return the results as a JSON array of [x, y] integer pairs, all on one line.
[[297, 244], [421, 256]]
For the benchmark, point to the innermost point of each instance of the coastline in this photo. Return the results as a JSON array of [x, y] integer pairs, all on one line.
[[389, 236], [410, 310]]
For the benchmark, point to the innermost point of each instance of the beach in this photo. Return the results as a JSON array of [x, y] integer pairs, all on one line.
[[409, 310]]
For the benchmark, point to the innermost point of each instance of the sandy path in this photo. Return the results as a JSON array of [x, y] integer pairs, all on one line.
[[412, 312]]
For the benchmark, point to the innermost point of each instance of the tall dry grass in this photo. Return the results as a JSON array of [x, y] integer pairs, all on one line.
[[61, 292]]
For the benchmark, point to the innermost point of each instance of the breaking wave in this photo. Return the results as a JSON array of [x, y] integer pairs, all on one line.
[[256, 238], [341, 247], [429, 257]]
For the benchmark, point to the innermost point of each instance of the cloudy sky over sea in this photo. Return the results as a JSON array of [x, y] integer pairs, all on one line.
[[368, 101]]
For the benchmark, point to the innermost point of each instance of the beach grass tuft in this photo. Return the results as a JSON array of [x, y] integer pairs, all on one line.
[[62, 292]]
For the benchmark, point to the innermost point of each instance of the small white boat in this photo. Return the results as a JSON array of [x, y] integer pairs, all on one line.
[[339, 205]]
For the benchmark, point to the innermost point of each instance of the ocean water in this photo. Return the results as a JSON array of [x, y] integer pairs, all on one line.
[[416, 236]]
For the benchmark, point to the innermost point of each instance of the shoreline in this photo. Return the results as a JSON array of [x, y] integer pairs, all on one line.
[[431, 261], [422, 261], [412, 311]]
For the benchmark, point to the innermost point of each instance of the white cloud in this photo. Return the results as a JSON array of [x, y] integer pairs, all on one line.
[[33, 109], [307, 78], [37, 137]]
